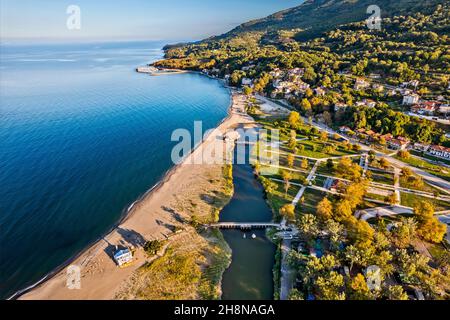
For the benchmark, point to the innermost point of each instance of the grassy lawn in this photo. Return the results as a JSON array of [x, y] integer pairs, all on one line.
[[374, 196], [297, 177], [405, 183], [383, 177], [323, 169], [278, 198], [311, 199], [408, 199], [437, 170]]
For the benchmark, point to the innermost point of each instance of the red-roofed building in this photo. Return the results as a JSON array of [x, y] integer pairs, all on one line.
[[439, 151]]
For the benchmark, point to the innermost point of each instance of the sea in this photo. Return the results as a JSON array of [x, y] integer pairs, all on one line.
[[82, 136]]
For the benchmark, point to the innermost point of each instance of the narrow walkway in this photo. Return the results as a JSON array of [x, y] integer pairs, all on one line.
[[287, 274], [308, 179], [397, 185]]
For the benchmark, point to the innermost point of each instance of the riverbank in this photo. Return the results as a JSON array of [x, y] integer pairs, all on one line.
[[187, 190]]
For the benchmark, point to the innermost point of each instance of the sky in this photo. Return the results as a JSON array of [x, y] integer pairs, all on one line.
[[129, 19]]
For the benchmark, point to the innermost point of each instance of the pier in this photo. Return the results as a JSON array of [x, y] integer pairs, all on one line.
[[245, 225]]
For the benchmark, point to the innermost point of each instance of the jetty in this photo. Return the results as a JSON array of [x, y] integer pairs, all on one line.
[[153, 71]]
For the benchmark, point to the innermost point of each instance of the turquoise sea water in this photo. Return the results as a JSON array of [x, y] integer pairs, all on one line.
[[82, 136]]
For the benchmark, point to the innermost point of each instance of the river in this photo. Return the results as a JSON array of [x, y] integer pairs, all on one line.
[[249, 275]]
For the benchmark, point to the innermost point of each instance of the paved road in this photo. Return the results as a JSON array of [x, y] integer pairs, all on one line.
[[287, 274]]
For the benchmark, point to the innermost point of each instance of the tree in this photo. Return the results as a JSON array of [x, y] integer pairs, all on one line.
[[407, 172], [391, 199], [324, 209], [330, 164], [327, 118], [152, 247], [295, 120], [384, 163], [404, 232], [304, 163], [288, 212], [359, 289], [290, 160], [292, 143], [247, 90], [342, 210], [305, 106], [404, 154], [395, 292], [308, 225], [429, 227], [329, 287], [324, 136], [336, 232], [348, 170], [269, 186], [287, 176]]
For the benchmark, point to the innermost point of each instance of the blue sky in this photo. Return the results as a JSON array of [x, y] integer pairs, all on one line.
[[131, 19]]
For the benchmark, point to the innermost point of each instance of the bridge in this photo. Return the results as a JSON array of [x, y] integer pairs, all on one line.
[[245, 225]]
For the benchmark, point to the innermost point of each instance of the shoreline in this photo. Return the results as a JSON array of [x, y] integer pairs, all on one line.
[[91, 251]]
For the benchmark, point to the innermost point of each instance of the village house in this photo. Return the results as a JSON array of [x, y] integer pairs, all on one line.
[[420, 147], [246, 68], [296, 71], [246, 82], [444, 109], [276, 73], [345, 129], [302, 86], [425, 107], [319, 91], [123, 257], [410, 99], [340, 106], [361, 84], [398, 144], [439, 151], [377, 87], [367, 103]]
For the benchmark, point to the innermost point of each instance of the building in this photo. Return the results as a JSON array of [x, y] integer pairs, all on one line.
[[246, 68], [246, 82], [440, 152], [319, 91], [410, 99], [366, 103], [296, 72], [398, 144], [340, 106], [345, 129], [377, 87], [425, 107], [276, 73], [444, 108], [361, 84], [123, 257], [420, 147]]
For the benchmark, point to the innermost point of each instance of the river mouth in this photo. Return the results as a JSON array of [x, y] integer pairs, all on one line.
[[250, 274]]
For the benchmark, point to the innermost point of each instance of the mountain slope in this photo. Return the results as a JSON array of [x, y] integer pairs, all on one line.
[[315, 16]]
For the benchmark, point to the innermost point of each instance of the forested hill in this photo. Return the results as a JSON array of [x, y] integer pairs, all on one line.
[[315, 16], [409, 48]]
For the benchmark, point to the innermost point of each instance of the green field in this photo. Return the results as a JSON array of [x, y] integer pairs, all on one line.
[[409, 200], [437, 170]]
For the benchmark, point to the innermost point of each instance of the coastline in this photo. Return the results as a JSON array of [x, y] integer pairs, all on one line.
[[52, 286]]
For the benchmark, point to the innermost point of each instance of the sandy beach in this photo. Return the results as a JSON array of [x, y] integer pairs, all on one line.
[[188, 188]]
